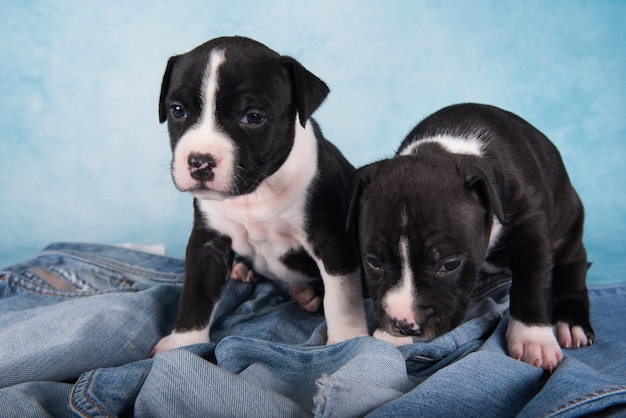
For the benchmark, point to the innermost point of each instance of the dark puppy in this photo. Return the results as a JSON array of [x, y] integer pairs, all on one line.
[[471, 187], [266, 183]]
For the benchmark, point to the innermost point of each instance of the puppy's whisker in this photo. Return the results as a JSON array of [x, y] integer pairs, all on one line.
[[166, 168]]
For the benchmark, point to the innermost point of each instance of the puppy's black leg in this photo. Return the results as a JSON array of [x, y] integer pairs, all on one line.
[[570, 298], [207, 267], [530, 337]]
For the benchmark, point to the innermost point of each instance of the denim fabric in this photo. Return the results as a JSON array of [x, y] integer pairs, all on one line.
[[76, 308], [77, 324]]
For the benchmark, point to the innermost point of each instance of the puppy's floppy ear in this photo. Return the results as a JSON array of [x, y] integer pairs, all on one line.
[[309, 90], [360, 180], [165, 87], [488, 182]]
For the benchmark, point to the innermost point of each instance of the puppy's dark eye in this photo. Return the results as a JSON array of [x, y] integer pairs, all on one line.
[[450, 266], [374, 262], [253, 118], [178, 111]]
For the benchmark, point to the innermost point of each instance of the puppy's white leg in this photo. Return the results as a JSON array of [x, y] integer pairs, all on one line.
[[180, 339], [533, 344], [381, 334], [571, 337], [343, 307]]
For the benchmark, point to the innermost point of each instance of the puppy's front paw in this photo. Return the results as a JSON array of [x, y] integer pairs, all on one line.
[[381, 334], [179, 339], [571, 336], [306, 296], [533, 344]]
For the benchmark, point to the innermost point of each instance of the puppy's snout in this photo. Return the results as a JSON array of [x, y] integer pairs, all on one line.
[[406, 328], [201, 166]]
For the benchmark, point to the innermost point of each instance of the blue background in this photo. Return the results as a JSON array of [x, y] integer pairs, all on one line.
[[83, 157]]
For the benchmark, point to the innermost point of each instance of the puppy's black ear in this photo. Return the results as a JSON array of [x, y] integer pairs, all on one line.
[[488, 182], [360, 180], [165, 87], [309, 90]]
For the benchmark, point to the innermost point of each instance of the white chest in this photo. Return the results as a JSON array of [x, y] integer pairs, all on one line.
[[260, 232]]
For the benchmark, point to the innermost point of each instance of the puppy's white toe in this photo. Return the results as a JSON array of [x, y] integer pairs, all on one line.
[[579, 337], [533, 344], [180, 339], [381, 334]]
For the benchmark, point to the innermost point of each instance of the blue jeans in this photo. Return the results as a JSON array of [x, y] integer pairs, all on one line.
[[78, 322]]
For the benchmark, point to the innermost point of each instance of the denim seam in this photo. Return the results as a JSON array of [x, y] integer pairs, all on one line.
[[592, 397], [113, 265], [26, 284], [82, 387]]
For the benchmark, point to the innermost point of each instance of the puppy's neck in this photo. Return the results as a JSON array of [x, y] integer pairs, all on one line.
[[300, 166], [289, 184]]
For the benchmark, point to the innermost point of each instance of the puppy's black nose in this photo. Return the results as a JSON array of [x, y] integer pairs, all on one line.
[[407, 328], [201, 166]]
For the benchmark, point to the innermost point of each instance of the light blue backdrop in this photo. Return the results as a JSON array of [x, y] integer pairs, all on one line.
[[83, 158]]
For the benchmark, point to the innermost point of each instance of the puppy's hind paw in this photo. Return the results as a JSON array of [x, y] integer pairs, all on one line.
[[241, 270], [533, 344], [306, 296], [572, 336]]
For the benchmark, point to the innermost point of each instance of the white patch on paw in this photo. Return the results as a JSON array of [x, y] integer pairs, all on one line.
[[180, 339], [570, 337], [383, 335], [533, 344]]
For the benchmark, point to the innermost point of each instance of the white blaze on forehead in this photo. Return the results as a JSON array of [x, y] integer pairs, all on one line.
[[465, 145], [210, 86], [406, 279], [399, 301], [206, 137]]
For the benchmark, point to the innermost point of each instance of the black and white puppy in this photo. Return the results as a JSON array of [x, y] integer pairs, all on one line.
[[266, 184], [473, 186]]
